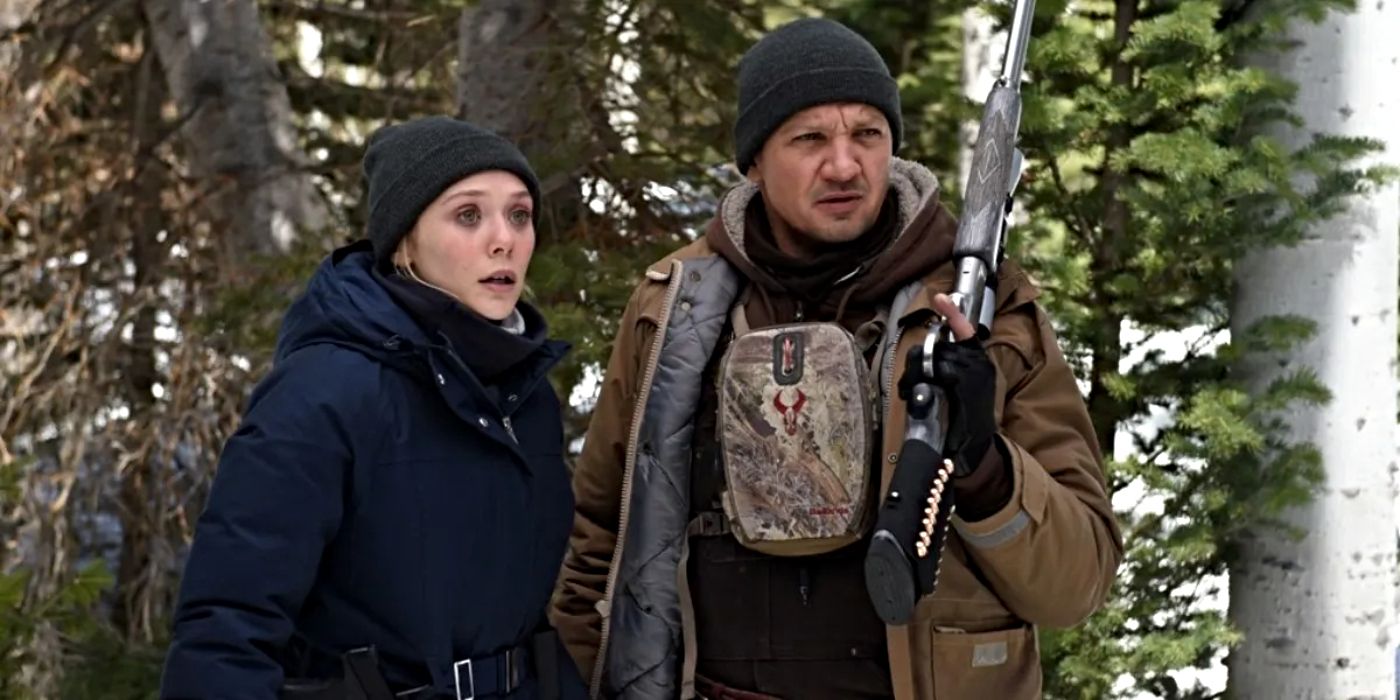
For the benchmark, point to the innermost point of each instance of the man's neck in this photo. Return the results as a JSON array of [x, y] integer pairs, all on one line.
[[791, 242]]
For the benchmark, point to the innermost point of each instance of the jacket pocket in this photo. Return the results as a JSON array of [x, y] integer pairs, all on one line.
[[1003, 664]]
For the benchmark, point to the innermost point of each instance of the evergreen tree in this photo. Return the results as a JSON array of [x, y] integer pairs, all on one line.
[[1149, 177]]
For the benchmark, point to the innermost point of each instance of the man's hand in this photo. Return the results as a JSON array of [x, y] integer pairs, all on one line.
[[968, 378], [957, 323]]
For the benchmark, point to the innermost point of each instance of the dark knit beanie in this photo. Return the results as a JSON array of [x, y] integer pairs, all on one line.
[[803, 64], [407, 165]]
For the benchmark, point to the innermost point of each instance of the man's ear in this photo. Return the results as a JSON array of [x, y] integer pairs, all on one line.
[[755, 175]]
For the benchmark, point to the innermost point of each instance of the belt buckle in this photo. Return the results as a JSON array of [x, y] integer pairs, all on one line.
[[457, 679], [512, 671]]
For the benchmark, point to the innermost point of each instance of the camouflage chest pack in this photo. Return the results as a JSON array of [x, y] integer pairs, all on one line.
[[797, 409]]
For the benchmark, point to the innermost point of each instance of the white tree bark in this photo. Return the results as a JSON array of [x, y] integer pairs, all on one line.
[[1319, 614], [219, 65]]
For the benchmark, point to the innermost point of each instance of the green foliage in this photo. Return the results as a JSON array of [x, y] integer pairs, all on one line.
[[104, 666], [1151, 172], [1222, 463], [100, 664], [922, 44], [244, 314]]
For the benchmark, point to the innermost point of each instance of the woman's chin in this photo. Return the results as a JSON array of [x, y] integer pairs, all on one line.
[[494, 310]]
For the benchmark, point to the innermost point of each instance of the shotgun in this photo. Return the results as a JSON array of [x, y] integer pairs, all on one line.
[[912, 524]]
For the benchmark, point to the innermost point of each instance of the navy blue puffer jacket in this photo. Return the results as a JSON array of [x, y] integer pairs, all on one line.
[[374, 494]]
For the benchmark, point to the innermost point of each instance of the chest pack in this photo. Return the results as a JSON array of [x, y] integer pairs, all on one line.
[[797, 409]]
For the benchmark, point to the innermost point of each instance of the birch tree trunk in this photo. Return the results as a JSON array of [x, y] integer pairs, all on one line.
[[219, 65], [1318, 613]]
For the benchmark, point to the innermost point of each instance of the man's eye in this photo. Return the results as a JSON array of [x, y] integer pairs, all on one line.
[[520, 217], [469, 217], [871, 133], [809, 136]]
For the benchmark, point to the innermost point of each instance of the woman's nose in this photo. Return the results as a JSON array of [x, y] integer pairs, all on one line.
[[501, 240]]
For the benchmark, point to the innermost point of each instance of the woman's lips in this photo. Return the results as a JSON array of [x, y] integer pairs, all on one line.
[[501, 281]]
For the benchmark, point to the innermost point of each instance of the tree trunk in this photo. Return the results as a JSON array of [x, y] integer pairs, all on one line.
[[240, 135], [503, 61], [15, 113], [510, 79], [1318, 613], [13, 14], [1105, 410], [140, 583]]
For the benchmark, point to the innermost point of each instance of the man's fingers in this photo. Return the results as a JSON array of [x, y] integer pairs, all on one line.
[[947, 376], [957, 323]]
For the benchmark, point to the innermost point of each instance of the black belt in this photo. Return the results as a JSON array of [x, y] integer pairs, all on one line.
[[485, 676], [492, 675]]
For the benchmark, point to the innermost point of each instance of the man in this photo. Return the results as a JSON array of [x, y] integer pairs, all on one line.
[[661, 599]]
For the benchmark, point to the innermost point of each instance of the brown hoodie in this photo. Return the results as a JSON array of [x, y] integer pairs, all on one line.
[[923, 239], [762, 621]]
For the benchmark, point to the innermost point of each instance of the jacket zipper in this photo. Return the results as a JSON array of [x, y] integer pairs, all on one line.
[[634, 435], [890, 357], [505, 419]]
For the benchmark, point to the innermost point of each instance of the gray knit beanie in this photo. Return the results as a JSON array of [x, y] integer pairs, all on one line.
[[407, 165], [803, 64]]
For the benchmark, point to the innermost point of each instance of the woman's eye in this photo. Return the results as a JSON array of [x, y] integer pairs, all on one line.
[[520, 217], [469, 217]]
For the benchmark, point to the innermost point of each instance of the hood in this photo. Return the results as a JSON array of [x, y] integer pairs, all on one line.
[[924, 236], [345, 305]]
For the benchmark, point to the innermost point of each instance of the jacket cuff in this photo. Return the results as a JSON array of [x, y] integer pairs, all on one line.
[[1025, 508], [988, 488]]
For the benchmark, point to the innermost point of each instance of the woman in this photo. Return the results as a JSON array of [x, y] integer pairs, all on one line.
[[397, 484]]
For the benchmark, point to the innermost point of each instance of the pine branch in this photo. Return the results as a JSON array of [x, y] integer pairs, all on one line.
[[1233, 13], [306, 89], [1083, 230], [77, 29], [321, 10]]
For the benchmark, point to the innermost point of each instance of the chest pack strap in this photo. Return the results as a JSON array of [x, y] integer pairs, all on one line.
[[710, 523]]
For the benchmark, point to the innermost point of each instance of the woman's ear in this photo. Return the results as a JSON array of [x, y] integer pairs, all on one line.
[[402, 260]]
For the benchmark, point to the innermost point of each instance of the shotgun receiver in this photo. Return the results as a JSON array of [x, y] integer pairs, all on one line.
[[912, 523]]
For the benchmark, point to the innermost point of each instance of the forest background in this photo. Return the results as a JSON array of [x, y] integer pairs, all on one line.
[[171, 171]]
